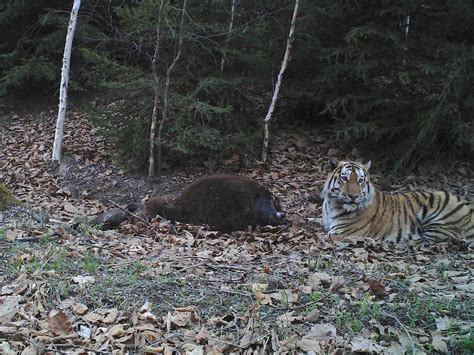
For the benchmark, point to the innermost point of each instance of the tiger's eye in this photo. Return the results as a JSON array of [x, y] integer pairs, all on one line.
[[360, 181]]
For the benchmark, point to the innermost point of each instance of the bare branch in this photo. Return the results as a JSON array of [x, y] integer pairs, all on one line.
[[166, 90], [154, 115], [231, 24], [268, 117]]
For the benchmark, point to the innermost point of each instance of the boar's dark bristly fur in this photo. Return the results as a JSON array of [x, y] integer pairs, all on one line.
[[224, 202]]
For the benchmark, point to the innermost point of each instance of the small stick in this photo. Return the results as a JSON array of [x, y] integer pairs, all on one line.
[[130, 213], [404, 328]]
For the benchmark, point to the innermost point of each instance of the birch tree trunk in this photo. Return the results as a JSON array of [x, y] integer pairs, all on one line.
[[154, 115], [166, 90], [268, 117], [231, 25], [59, 132]]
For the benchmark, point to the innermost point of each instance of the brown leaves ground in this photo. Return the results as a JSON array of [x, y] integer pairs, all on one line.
[[164, 288]]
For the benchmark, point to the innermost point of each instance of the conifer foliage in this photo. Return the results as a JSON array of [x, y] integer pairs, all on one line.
[[375, 72]]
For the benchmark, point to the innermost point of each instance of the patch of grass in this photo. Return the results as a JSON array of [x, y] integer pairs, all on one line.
[[7, 199], [134, 270], [87, 229], [61, 263], [58, 288], [466, 343], [358, 315], [315, 296], [90, 263], [417, 310]]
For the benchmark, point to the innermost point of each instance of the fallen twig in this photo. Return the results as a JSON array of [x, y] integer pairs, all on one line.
[[404, 328]]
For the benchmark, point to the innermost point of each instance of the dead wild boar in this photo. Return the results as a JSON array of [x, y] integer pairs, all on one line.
[[224, 202]]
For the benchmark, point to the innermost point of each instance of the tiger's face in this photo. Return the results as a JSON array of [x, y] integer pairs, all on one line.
[[349, 185]]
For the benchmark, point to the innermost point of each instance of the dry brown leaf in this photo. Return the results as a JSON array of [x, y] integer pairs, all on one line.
[[286, 319], [337, 283], [83, 280], [439, 343], [117, 330], [259, 287], [262, 298], [361, 344], [69, 207], [312, 316], [12, 235], [30, 350], [8, 308], [111, 316], [317, 279], [318, 333], [247, 335], [59, 323], [375, 287], [79, 308], [203, 336], [285, 296], [93, 317], [5, 330]]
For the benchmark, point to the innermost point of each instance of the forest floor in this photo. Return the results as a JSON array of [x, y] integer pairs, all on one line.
[[186, 289]]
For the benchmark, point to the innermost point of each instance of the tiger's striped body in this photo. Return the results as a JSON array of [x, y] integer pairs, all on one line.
[[352, 207]]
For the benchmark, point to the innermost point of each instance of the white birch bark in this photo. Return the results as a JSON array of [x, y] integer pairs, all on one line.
[[166, 89], [231, 25], [59, 132], [268, 117], [154, 115]]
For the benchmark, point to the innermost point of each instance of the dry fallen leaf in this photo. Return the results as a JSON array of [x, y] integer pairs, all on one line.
[[117, 330], [93, 317], [202, 337], [262, 298], [317, 279], [375, 287], [361, 344], [111, 316], [82, 280], [59, 323], [69, 207], [8, 308], [79, 308], [439, 343], [312, 316], [337, 283], [12, 235]]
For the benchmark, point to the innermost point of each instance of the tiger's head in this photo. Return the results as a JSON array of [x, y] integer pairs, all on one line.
[[349, 184]]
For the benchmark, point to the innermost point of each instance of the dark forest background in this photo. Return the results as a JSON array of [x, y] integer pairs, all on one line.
[[403, 92]]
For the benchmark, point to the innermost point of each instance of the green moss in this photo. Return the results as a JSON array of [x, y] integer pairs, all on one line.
[[7, 199]]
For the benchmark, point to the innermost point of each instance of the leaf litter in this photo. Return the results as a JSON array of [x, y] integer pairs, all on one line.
[[163, 288]]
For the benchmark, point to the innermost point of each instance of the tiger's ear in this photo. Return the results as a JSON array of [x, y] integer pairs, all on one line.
[[367, 165], [333, 163]]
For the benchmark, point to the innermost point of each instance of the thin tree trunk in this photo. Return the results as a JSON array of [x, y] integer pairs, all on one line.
[[154, 115], [406, 21], [268, 117], [166, 89], [231, 25], [59, 132]]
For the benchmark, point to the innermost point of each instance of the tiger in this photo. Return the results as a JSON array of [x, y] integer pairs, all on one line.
[[352, 206]]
